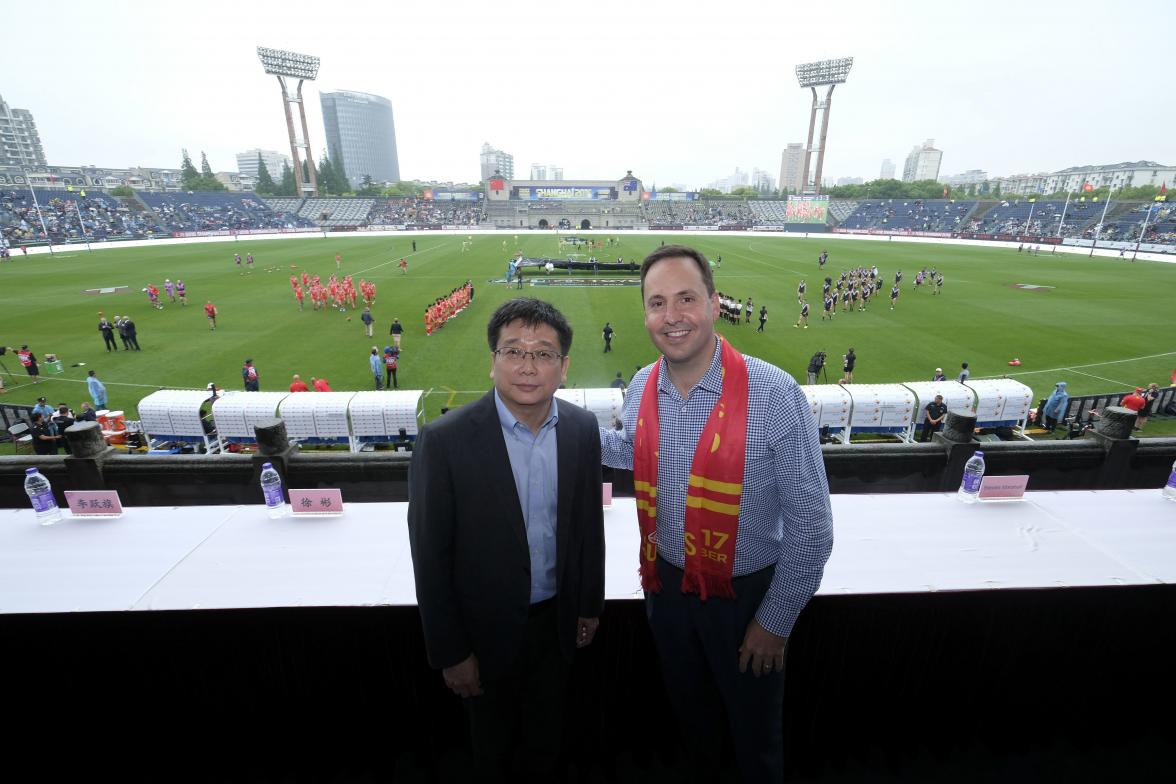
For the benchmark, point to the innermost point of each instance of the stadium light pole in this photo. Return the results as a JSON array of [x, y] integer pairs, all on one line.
[[823, 73], [303, 67], [1098, 226], [29, 182], [1143, 230]]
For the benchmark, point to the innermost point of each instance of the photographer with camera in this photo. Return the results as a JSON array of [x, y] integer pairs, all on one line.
[[815, 366]]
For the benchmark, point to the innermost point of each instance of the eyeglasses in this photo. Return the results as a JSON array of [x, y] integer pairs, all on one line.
[[516, 356]]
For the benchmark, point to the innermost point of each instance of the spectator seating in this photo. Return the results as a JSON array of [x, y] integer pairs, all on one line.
[[424, 212], [69, 217], [216, 211], [703, 212], [336, 212], [939, 215]]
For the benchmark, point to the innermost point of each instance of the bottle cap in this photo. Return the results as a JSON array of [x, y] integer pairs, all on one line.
[[978, 453], [30, 471], [266, 465]]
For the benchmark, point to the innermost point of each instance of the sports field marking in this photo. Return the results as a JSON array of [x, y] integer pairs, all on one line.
[[1101, 378], [1091, 365], [398, 258]]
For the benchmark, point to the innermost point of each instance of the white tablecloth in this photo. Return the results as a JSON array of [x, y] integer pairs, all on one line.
[[236, 557]]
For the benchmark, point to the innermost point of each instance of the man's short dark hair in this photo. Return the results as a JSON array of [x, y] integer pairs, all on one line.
[[679, 252], [532, 312]]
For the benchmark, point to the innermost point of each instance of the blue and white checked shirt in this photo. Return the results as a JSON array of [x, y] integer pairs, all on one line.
[[534, 461], [784, 515]]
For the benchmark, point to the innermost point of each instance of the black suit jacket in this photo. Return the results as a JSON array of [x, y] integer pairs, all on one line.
[[469, 541]]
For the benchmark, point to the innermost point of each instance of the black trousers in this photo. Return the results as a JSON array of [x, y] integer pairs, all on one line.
[[109, 341], [698, 645], [391, 380], [516, 725], [928, 429]]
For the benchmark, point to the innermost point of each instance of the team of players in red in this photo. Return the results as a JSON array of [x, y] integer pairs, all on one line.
[[445, 308]]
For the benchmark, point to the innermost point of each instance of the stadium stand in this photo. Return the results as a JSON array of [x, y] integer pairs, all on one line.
[[1036, 219], [768, 212], [215, 212], [1126, 226], [336, 212], [424, 212], [841, 209], [939, 215], [102, 217], [698, 213]]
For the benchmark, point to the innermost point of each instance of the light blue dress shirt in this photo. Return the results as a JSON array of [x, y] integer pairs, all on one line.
[[534, 463], [785, 518]]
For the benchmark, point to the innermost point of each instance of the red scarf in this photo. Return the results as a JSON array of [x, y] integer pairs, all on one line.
[[714, 488]]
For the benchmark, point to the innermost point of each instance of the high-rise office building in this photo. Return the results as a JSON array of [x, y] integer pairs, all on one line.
[[792, 168], [538, 171], [887, 172], [20, 144], [922, 163], [274, 163], [361, 135], [493, 160]]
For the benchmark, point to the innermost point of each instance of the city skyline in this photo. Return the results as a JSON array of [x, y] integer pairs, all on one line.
[[971, 100]]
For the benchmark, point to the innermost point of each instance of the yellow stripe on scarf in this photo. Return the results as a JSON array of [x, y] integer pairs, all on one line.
[[699, 502], [727, 488]]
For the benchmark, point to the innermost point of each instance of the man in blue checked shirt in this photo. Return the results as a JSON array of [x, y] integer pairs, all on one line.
[[727, 565]]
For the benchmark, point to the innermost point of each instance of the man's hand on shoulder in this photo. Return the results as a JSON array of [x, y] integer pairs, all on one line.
[[762, 650], [463, 678], [586, 631]]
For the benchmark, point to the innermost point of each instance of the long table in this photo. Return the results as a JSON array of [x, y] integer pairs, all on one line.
[[221, 557], [947, 642]]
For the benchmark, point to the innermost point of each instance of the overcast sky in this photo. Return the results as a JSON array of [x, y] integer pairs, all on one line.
[[679, 92]]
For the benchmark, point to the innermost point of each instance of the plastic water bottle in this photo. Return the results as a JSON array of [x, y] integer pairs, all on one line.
[[973, 473], [41, 494], [271, 488], [1170, 488]]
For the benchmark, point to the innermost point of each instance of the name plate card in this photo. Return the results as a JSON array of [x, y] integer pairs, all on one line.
[[1003, 488], [316, 503], [606, 492], [94, 503]]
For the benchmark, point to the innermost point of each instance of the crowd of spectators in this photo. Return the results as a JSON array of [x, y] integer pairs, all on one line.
[[1038, 218], [68, 217], [698, 213], [938, 215], [1126, 227], [424, 212], [216, 212]]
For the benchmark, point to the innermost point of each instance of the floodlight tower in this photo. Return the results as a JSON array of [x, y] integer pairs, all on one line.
[[302, 67], [813, 75]]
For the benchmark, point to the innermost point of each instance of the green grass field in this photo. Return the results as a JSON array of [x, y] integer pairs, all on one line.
[[1104, 325]]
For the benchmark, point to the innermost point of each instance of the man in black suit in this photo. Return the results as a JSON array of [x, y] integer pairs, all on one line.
[[506, 527]]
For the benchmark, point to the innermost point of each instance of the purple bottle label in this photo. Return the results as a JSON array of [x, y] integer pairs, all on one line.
[[273, 495], [972, 482], [1172, 479], [43, 502]]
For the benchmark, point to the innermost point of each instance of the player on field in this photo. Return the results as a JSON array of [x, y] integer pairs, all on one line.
[[804, 314], [800, 292], [830, 308], [210, 314], [893, 296]]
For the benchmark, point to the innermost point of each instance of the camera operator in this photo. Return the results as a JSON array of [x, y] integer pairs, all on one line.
[[815, 365]]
